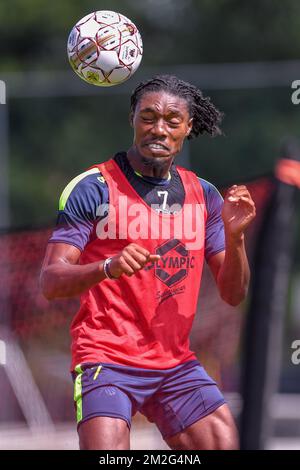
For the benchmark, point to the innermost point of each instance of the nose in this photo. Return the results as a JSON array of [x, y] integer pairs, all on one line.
[[159, 128]]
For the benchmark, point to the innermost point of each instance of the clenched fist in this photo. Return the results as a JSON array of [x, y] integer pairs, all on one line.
[[130, 260]]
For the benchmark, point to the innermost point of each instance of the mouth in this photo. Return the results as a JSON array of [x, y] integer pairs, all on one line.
[[156, 146]]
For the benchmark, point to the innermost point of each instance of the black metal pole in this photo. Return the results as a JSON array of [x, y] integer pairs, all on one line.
[[264, 324], [7, 400]]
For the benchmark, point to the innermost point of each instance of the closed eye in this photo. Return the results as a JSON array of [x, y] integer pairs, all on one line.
[[147, 119]]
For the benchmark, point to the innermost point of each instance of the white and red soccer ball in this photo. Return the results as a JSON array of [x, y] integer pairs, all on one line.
[[105, 48]]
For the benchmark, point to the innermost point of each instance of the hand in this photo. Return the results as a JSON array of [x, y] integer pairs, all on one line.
[[238, 210], [130, 260]]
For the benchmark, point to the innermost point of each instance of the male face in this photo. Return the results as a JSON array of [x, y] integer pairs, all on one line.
[[161, 122]]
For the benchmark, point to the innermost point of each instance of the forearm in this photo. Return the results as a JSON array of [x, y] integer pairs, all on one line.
[[234, 275], [62, 280]]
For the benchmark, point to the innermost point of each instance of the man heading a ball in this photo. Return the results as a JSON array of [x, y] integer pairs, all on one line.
[[125, 242]]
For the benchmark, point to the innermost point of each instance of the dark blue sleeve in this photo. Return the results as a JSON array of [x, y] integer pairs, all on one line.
[[79, 209], [214, 233]]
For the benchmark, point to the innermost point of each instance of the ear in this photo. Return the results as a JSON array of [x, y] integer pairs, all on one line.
[[190, 127]]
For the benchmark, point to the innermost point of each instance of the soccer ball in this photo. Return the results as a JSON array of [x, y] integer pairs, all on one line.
[[105, 48]]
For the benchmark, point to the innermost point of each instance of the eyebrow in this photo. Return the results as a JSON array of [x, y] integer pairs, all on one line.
[[147, 110], [151, 110]]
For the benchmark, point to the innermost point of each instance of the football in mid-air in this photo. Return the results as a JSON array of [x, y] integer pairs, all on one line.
[[105, 48]]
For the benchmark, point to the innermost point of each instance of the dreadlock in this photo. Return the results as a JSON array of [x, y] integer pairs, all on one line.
[[206, 117]]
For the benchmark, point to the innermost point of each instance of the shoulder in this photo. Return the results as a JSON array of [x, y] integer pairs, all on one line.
[[213, 199], [87, 187], [210, 191], [211, 194], [208, 188], [214, 237]]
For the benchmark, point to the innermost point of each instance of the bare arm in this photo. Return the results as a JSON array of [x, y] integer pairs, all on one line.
[[63, 277], [231, 272], [230, 267]]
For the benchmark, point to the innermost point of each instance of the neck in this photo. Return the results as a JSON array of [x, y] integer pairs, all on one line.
[[149, 166]]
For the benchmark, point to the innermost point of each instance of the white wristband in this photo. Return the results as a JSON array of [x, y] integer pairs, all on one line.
[[106, 269]]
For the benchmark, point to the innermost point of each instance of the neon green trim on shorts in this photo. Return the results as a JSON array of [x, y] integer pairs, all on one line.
[[78, 392], [69, 188]]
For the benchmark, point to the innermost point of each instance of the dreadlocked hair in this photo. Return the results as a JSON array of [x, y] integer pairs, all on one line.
[[206, 117]]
